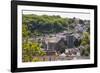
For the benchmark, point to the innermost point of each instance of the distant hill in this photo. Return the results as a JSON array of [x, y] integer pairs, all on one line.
[[45, 24]]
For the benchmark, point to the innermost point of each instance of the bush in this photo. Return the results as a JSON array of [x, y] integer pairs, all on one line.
[[30, 50], [85, 51], [36, 59], [86, 43]]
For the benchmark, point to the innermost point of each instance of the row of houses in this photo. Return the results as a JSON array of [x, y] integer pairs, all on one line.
[[55, 44]]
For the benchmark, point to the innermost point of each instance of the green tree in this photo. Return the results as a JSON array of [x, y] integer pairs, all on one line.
[[44, 23], [25, 32], [30, 50], [86, 43], [86, 39]]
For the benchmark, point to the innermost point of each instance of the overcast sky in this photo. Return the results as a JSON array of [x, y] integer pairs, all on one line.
[[83, 16]]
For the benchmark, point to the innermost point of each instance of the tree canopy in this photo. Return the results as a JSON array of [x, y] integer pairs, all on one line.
[[39, 24]]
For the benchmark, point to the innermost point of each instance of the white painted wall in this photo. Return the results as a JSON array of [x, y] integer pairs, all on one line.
[[5, 36]]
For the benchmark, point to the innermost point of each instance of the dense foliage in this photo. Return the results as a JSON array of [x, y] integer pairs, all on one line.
[[45, 24], [30, 50], [86, 43]]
